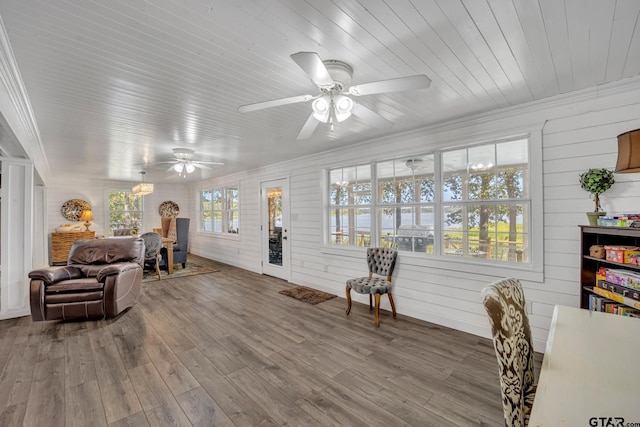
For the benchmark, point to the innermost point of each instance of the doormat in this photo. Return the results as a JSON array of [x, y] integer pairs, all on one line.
[[192, 269], [308, 295]]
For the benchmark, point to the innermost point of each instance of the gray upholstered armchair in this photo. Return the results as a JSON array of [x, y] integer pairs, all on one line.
[[182, 243], [102, 278]]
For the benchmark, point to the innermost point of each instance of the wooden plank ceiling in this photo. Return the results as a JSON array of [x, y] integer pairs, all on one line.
[[114, 84]]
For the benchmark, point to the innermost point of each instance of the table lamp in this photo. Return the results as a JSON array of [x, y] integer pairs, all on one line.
[[86, 216]]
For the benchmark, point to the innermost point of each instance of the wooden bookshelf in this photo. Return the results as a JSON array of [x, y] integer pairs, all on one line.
[[595, 235], [61, 244]]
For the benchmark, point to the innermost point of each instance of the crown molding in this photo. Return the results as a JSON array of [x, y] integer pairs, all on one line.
[[537, 110], [16, 110]]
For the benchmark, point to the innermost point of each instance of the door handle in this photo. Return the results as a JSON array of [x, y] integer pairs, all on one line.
[[284, 237]]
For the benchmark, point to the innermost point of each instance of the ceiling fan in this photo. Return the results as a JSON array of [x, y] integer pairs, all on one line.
[[183, 162], [332, 77]]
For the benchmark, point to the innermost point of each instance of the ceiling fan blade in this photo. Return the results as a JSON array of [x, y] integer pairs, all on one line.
[[311, 64], [308, 128], [392, 85], [199, 165], [203, 162], [370, 116], [274, 103]]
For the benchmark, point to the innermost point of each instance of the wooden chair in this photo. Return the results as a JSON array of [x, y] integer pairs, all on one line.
[[381, 262], [505, 305]]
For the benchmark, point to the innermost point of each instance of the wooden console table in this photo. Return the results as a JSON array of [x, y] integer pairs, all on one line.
[[61, 244]]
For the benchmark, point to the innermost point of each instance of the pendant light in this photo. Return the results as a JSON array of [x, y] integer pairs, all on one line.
[[143, 188]]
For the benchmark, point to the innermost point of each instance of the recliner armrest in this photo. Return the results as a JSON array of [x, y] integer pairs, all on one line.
[[115, 269], [53, 275]]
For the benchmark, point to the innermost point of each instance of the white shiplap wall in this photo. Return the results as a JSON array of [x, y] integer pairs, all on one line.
[[95, 193], [578, 132]]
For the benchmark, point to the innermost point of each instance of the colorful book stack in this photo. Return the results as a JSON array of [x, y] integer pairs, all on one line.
[[615, 294]]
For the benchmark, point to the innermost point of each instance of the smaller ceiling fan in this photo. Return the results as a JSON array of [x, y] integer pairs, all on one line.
[[332, 77], [184, 164]]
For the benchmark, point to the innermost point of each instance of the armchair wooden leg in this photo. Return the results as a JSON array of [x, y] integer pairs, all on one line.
[[370, 304], [393, 306], [377, 312], [348, 291]]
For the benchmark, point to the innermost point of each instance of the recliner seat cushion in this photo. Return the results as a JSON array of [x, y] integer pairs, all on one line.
[[75, 285]]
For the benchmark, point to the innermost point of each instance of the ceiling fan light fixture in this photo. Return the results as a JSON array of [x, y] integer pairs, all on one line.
[[321, 109], [178, 167], [342, 105], [190, 168]]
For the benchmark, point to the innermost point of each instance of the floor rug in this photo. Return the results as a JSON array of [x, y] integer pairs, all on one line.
[[192, 268], [308, 295]]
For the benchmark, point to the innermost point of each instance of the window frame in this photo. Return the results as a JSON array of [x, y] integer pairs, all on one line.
[[228, 213], [353, 196], [490, 242], [108, 228], [531, 270]]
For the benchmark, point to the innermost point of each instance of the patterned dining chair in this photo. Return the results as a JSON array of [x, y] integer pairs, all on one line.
[[152, 246], [505, 305], [381, 262]]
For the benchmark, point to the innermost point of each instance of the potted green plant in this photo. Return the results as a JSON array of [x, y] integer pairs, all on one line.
[[596, 182]]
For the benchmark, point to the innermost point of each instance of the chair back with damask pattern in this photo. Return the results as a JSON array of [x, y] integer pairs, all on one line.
[[505, 305]]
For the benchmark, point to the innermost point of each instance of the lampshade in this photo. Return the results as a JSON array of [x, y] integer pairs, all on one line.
[[178, 167], [628, 152], [86, 216], [190, 168], [342, 106], [143, 188], [320, 108]]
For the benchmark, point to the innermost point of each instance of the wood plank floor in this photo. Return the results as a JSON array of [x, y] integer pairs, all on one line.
[[226, 349]]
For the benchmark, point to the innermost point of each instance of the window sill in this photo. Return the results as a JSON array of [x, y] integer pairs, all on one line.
[[216, 235], [448, 263]]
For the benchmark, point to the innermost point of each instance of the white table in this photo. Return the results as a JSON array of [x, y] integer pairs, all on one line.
[[591, 368]]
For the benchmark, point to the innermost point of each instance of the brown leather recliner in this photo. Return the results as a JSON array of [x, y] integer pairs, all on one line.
[[102, 278]]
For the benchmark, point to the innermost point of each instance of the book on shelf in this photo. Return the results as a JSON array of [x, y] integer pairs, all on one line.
[[597, 303], [616, 297], [619, 289]]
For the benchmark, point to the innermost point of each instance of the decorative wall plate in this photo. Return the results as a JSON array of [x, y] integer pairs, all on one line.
[[72, 209], [169, 209]]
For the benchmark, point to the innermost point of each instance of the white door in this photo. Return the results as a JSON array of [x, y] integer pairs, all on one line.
[[275, 228]]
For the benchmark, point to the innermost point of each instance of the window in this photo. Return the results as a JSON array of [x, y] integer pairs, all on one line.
[[219, 211], [406, 203], [350, 205], [125, 212], [486, 205], [468, 202]]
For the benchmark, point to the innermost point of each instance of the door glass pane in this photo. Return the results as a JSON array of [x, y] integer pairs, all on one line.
[[274, 201]]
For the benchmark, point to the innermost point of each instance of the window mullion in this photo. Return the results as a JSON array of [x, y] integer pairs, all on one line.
[[374, 235], [438, 234]]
